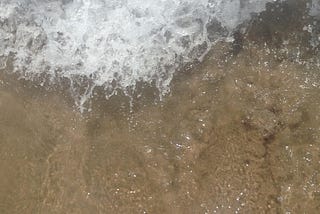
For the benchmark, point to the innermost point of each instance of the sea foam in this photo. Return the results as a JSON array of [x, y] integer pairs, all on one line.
[[114, 43]]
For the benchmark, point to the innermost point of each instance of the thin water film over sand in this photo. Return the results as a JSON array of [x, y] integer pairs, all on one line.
[[239, 133]]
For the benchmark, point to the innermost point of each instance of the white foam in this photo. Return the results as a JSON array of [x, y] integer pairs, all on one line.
[[115, 43]]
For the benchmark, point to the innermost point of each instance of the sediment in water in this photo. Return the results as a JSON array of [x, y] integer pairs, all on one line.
[[238, 134]]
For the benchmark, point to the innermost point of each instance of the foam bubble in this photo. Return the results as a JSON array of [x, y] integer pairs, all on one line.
[[115, 43]]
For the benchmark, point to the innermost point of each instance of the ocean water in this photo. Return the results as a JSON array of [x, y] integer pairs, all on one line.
[[236, 130]]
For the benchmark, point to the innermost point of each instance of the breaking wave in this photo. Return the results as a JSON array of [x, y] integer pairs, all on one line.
[[114, 43]]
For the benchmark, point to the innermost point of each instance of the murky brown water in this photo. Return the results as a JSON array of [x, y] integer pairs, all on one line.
[[240, 133]]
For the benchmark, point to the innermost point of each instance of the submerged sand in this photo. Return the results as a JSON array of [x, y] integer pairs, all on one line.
[[240, 133]]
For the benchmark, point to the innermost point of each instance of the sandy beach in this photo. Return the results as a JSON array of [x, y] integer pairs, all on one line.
[[238, 133]]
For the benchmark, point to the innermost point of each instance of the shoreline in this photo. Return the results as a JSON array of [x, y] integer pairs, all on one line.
[[239, 133]]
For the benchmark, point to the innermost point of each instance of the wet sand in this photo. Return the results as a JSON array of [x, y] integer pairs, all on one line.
[[239, 133]]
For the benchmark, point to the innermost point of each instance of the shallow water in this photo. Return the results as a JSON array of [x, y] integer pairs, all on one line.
[[239, 133]]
